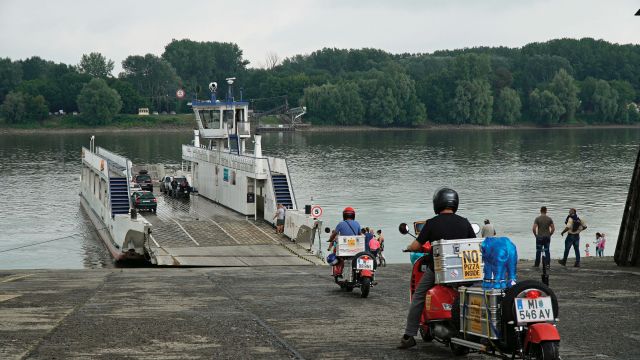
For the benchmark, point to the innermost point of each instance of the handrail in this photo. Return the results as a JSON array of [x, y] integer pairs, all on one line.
[[293, 195], [273, 189]]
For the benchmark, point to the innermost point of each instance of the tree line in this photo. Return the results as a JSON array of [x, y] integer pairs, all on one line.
[[556, 82]]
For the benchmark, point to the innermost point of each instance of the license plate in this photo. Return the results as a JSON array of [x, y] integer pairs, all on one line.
[[146, 201], [534, 310], [364, 264]]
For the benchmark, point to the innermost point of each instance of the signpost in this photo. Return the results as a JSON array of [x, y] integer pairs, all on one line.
[[316, 211]]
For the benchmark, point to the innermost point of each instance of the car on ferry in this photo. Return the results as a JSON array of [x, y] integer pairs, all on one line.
[[144, 180], [165, 184], [144, 200]]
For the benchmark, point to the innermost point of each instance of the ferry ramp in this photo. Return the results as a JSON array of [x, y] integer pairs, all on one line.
[[199, 232]]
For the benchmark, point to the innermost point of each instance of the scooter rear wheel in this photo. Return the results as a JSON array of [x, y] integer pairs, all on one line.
[[546, 350], [365, 287]]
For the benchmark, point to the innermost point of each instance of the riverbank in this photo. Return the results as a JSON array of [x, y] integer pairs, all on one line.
[[188, 126], [151, 313]]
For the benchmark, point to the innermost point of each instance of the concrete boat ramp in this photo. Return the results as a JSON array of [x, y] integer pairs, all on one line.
[[198, 232]]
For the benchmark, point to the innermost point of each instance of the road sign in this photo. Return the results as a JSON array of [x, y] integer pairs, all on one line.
[[316, 211], [180, 93]]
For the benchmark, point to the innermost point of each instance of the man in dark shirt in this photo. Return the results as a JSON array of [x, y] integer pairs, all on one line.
[[542, 229], [445, 225]]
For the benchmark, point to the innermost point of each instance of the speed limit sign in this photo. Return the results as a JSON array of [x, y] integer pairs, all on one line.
[[316, 211], [180, 93]]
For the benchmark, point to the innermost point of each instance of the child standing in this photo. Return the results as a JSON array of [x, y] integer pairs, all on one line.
[[600, 241]]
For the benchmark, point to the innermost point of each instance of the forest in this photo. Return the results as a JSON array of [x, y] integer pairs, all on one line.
[[558, 82]]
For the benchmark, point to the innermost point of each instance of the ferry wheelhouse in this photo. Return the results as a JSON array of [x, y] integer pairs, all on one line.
[[225, 171]]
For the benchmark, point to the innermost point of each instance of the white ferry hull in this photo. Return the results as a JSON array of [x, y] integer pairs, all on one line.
[[108, 208]]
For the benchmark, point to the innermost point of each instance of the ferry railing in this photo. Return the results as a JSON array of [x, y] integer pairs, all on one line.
[[273, 191], [293, 195]]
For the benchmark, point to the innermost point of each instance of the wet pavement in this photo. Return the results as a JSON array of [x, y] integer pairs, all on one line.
[[275, 313]]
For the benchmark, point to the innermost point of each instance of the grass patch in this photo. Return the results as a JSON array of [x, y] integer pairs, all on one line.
[[123, 121]]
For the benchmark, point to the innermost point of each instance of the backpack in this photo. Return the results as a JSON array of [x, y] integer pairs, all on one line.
[[576, 224]]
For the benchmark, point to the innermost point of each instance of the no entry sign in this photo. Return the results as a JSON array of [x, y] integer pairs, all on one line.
[[316, 211]]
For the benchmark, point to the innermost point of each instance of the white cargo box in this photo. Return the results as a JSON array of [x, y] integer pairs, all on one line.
[[349, 245], [457, 260]]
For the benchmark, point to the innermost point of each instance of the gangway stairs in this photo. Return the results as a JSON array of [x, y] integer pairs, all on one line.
[[119, 195], [281, 189]]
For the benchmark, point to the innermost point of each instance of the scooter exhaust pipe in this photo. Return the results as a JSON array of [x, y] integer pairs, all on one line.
[[442, 331]]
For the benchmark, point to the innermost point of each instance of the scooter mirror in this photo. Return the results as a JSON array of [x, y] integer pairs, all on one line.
[[403, 228], [327, 230], [476, 228]]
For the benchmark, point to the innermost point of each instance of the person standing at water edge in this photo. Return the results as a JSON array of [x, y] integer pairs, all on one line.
[[488, 229], [280, 214], [542, 229], [574, 225]]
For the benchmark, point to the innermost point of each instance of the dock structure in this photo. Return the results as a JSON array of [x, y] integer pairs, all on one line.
[[628, 247], [199, 232]]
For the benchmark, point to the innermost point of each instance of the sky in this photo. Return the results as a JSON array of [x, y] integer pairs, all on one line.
[[64, 30]]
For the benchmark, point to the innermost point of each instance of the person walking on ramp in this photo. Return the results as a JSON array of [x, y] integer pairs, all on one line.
[[542, 229], [574, 225]]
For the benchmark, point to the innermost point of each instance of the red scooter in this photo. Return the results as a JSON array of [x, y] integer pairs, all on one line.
[[518, 322], [361, 267]]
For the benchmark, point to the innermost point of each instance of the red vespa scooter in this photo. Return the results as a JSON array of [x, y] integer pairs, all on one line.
[[518, 322]]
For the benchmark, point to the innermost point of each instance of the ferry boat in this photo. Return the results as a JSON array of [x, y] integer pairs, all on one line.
[[225, 171], [104, 194]]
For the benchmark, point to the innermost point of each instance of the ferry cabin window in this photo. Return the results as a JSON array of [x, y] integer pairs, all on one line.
[[210, 119]]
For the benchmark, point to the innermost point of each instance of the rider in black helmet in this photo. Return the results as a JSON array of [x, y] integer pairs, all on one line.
[[445, 225]]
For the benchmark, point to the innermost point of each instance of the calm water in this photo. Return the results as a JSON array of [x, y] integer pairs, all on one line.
[[389, 177]]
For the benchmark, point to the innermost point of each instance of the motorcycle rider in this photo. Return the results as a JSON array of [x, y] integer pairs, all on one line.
[[446, 225], [348, 226]]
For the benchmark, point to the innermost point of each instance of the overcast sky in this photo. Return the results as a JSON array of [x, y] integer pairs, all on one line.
[[63, 30]]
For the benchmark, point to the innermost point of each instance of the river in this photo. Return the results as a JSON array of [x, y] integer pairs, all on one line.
[[387, 176]]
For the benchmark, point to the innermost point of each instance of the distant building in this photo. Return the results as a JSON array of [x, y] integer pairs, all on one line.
[[143, 111]]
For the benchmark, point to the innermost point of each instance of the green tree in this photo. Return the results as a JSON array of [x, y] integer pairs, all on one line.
[[10, 76], [199, 63], [563, 86], [605, 101], [96, 65], [508, 106], [461, 110], [20, 108], [131, 99], [153, 77], [473, 102], [47, 89], [546, 107], [98, 103], [14, 108]]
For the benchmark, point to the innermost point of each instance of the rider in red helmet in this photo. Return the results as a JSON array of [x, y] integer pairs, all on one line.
[[348, 226]]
